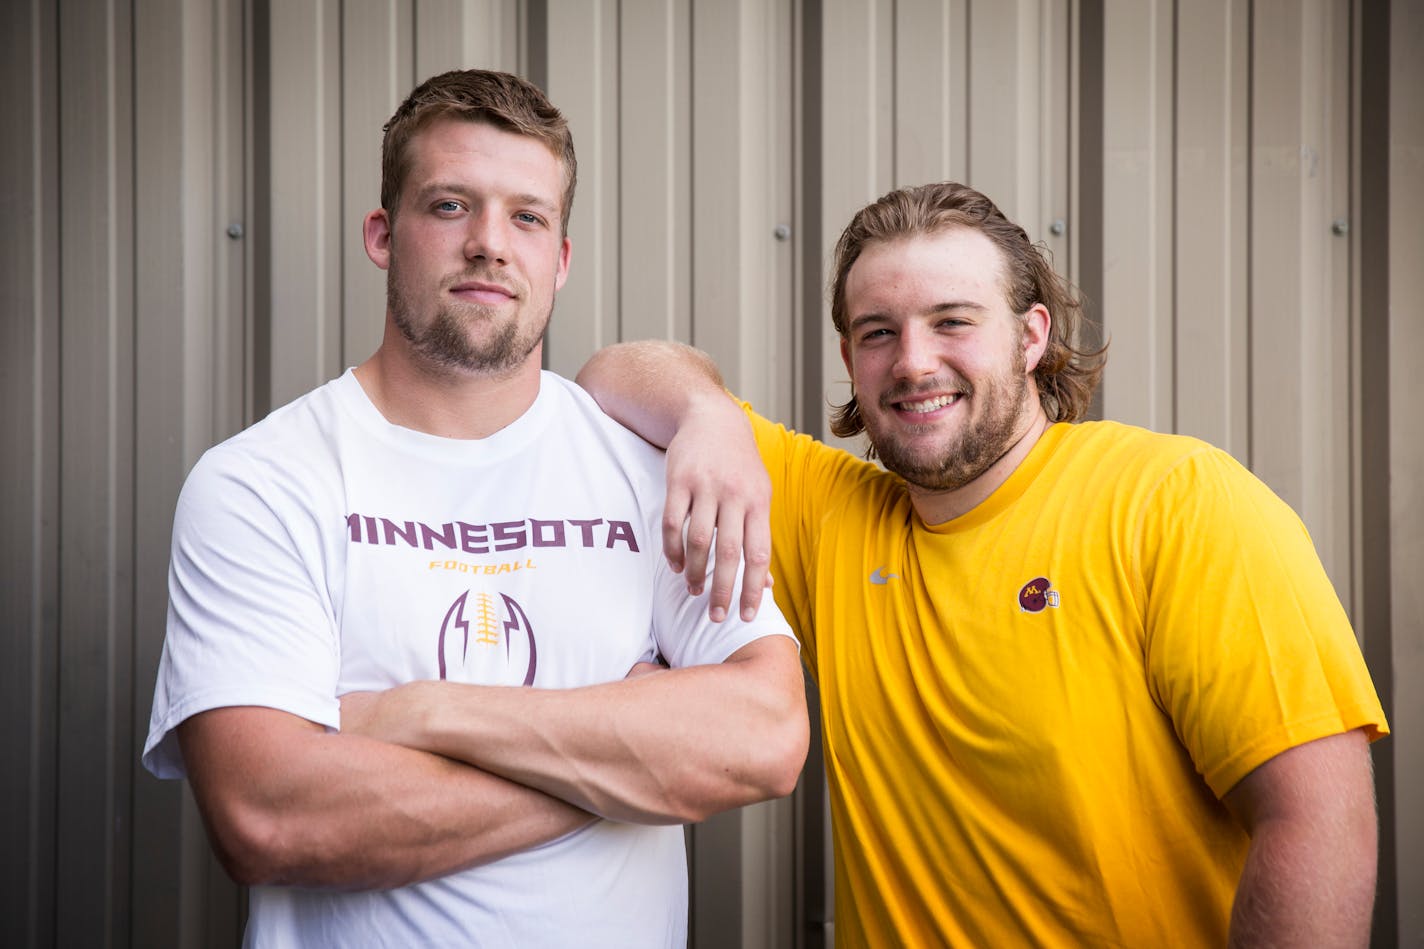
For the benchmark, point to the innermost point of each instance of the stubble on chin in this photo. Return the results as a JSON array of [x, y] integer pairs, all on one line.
[[960, 459], [445, 345]]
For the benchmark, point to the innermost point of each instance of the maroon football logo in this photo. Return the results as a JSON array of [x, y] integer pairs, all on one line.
[[480, 640], [1035, 595]]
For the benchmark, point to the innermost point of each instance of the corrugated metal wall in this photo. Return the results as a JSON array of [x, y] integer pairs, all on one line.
[[1238, 186]]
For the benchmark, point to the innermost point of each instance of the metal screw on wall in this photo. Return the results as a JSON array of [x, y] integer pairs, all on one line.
[[782, 232], [234, 231], [1058, 227], [1339, 227]]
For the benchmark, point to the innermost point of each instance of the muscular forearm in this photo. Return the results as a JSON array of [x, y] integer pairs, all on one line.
[[671, 747], [287, 803], [652, 386]]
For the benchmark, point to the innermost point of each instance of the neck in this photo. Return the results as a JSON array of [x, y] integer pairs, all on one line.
[[936, 507], [450, 403]]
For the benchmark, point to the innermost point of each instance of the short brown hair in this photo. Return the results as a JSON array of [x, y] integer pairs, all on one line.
[[1066, 375], [476, 95]]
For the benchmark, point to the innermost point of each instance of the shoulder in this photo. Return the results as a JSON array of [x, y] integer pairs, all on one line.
[[1120, 438], [1119, 453], [579, 415], [290, 451]]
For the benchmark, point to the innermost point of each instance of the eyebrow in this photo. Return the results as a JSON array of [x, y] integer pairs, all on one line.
[[948, 306], [529, 199]]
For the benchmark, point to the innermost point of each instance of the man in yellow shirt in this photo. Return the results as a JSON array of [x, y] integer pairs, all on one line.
[[1082, 684]]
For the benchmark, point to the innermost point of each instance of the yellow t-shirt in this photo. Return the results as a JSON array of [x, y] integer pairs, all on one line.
[[1030, 711]]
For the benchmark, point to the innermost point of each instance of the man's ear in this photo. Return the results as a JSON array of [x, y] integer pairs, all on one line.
[[845, 358], [1037, 323], [562, 274], [376, 232]]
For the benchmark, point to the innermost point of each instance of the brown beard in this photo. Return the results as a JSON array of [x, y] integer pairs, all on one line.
[[445, 341], [974, 450]]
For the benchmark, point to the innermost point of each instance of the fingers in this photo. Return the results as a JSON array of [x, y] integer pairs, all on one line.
[[717, 511], [756, 552], [675, 513], [730, 526], [742, 540], [703, 524]]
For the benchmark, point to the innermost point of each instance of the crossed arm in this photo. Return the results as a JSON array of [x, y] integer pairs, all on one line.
[[672, 746], [384, 802], [286, 802]]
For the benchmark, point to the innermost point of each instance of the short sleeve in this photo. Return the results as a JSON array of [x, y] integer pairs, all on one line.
[[684, 634], [1249, 650], [249, 618]]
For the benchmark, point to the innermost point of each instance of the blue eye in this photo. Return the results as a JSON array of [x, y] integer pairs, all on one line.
[[528, 218], [448, 206]]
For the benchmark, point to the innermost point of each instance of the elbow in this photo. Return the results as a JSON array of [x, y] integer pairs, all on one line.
[[786, 759], [256, 848], [770, 768], [247, 848], [778, 753]]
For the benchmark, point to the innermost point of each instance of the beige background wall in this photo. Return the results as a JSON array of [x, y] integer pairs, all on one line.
[[1238, 186]]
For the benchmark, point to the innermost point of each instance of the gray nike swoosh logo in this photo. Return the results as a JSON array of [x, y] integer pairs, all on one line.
[[880, 579]]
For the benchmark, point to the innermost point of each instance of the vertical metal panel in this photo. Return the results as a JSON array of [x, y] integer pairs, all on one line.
[[1329, 479], [1370, 606], [226, 374], [376, 74], [1086, 185], [856, 59], [492, 35], [1299, 349], [302, 311], [96, 481], [1406, 450], [187, 391], [29, 467], [766, 363], [931, 68], [581, 56], [655, 170], [737, 92], [1055, 103], [1209, 229], [164, 153], [1136, 278], [1004, 133]]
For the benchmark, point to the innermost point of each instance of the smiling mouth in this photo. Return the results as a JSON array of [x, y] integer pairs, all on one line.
[[925, 406]]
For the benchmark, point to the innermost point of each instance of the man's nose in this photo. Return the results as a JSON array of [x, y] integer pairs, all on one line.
[[915, 356], [487, 237]]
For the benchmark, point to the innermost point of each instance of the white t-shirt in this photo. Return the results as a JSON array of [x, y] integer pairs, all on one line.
[[325, 550]]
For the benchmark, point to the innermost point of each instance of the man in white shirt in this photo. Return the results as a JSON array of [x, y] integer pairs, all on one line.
[[411, 612]]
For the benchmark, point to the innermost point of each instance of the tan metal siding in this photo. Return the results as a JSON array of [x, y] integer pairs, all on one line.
[[29, 468], [1198, 157], [1209, 231], [1405, 635]]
